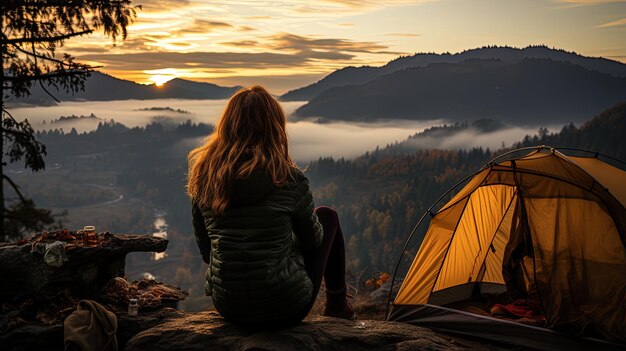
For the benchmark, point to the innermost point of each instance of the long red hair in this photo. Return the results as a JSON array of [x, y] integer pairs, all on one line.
[[250, 135]]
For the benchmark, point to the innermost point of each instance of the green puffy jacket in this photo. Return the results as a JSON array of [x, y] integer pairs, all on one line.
[[256, 270]]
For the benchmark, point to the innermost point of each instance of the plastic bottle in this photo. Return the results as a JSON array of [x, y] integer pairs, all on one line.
[[133, 308]]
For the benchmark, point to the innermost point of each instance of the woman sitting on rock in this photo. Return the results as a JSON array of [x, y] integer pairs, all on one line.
[[255, 222]]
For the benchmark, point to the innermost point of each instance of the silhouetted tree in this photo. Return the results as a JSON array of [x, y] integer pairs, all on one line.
[[31, 31]]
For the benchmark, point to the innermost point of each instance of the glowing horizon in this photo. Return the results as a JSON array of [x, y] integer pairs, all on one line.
[[287, 44]]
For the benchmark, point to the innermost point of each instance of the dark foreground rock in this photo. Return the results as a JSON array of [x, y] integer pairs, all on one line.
[[208, 331], [41, 287], [50, 337], [25, 273], [170, 329]]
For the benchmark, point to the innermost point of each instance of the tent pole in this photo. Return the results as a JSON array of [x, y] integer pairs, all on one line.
[[558, 148], [408, 240]]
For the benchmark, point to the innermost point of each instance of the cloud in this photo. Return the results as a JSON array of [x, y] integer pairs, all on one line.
[[255, 18], [210, 60], [158, 5], [283, 50], [403, 35], [222, 39], [301, 43], [204, 26], [265, 9], [245, 28], [267, 60], [373, 3], [78, 49], [617, 23], [347, 6], [241, 43], [568, 4], [136, 43], [196, 52], [589, 2], [312, 46]]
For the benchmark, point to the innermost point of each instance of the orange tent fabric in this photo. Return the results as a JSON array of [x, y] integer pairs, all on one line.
[[571, 214]]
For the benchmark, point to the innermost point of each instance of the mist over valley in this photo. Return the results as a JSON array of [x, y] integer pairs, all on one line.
[[309, 139]]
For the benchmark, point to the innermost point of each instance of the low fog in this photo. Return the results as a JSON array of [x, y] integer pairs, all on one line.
[[309, 140], [472, 137]]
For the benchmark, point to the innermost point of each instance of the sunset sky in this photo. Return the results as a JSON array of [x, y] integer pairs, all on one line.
[[285, 44]]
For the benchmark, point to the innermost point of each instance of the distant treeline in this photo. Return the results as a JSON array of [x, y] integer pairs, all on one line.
[[604, 133], [152, 140]]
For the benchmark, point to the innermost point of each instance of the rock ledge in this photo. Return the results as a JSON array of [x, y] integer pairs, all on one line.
[[208, 331]]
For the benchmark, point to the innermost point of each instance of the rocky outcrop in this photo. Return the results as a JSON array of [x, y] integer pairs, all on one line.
[[41, 287], [85, 270], [208, 331], [50, 337]]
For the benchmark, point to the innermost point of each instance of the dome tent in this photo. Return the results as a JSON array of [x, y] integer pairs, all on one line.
[[556, 215]]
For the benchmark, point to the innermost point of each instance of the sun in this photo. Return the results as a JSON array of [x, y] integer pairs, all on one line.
[[160, 79]]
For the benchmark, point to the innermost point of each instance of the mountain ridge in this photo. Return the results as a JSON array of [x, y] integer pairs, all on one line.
[[359, 75], [523, 93], [100, 86]]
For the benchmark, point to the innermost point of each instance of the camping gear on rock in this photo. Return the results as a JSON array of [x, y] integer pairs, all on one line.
[[53, 253], [90, 237], [90, 327], [148, 294], [133, 308], [539, 223]]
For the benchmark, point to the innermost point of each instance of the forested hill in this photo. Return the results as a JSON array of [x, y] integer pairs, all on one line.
[[381, 195], [530, 92], [361, 75], [604, 133]]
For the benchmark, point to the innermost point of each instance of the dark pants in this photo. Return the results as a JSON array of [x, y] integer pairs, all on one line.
[[327, 261]]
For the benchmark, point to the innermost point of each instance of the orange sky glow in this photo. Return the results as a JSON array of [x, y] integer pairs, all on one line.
[[285, 44]]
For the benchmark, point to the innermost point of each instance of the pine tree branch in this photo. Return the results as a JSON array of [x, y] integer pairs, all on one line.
[[8, 114], [34, 54], [11, 215], [15, 187], [49, 93], [49, 75], [13, 5], [55, 38], [15, 132]]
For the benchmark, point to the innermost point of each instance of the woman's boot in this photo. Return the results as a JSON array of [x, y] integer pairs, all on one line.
[[337, 305]]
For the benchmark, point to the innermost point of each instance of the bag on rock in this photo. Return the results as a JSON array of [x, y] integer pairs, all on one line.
[[90, 328]]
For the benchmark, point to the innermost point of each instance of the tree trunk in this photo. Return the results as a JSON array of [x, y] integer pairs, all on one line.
[[2, 44]]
